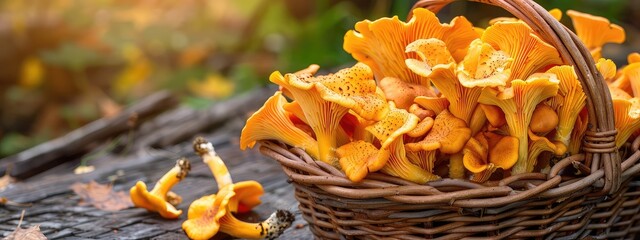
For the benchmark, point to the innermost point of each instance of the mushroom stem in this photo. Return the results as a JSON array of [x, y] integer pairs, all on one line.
[[171, 178], [210, 157], [456, 167], [485, 174], [268, 229]]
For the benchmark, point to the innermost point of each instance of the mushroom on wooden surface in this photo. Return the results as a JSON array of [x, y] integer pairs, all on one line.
[[156, 200]]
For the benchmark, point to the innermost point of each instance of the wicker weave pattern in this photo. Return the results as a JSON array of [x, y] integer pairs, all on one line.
[[604, 203]]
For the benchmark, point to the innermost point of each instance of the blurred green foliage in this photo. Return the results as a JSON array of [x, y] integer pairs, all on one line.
[[68, 62]]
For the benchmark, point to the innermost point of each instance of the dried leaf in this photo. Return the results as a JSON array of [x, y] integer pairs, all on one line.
[[5, 181], [32, 233], [101, 196]]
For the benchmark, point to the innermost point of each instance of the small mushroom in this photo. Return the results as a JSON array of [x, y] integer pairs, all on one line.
[[544, 119], [326, 99], [540, 144], [528, 51], [390, 131], [435, 104], [575, 143], [421, 112], [359, 158], [211, 214], [607, 69], [272, 122], [381, 43], [448, 135], [627, 118], [595, 31], [156, 199], [401, 92], [483, 157], [518, 103], [495, 115]]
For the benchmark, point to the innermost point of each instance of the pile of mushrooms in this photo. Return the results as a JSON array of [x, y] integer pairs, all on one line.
[[214, 213], [428, 100]]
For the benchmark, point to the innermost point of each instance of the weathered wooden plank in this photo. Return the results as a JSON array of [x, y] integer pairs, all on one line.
[[55, 206], [45, 155]]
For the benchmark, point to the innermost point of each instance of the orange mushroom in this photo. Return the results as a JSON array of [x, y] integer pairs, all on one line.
[[483, 157], [326, 99], [211, 214], [401, 92], [607, 68], [595, 31], [390, 131], [483, 66], [435, 104], [156, 200], [543, 119], [272, 122], [567, 103], [359, 158], [627, 118], [381, 43], [518, 103], [540, 144], [495, 115], [441, 71], [528, 51], [448, 135], [577, 135], [214, 213]]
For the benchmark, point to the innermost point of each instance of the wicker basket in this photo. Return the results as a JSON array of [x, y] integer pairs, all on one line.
[[603, 204]]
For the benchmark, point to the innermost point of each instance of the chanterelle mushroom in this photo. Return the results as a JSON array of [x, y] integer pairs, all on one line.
[[381, 43], [627, 118], [518, 41], [568, 102], [272, 122], [595, 31], [156, 199], [518, 103], [214, 213], [390, 131], [326, 99], [483, 157]]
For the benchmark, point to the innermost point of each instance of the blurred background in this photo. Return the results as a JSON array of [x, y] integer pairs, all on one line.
[[64, 63]]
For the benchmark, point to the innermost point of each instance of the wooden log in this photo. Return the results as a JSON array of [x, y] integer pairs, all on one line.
[[51, 153]]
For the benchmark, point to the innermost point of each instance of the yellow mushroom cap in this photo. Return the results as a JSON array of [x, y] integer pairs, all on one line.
[[632, 73], [595, 31], [397, 122], [607, 68], [435, 104], [206, 215], [484, 153], [359, 158], [156, 199], [484, 66], [402, 93], [381, 43], [494, 115], [272, 122], [528, 51], [627, 118], [448, 134], [567, 103], [326, 99], [544, 119], [431, 52]]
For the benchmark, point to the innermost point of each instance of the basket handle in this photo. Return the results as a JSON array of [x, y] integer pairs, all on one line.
[[599, 141]]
